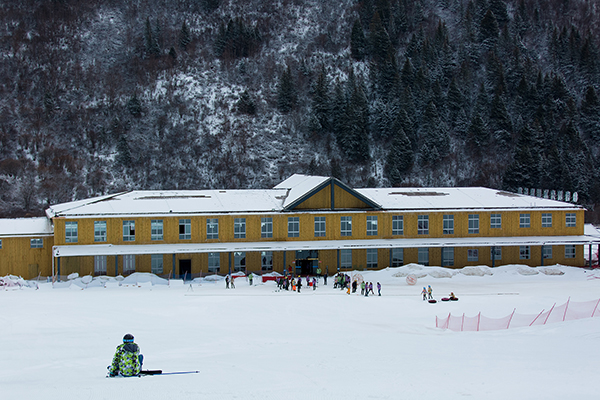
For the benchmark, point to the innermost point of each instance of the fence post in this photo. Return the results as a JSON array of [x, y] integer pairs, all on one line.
[[566, 308], [598, 302], [536, 318], [549, 312], [462, 324], [478, 320], [510, 319]]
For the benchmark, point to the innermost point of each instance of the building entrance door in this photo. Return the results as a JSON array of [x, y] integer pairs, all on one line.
[[306, 260], [185, 269]]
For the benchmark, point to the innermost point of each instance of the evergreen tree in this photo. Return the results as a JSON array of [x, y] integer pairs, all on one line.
[[435, 141], [123, 153], [358, 41], [245, 104], [477, 134], [488, 29], [134, 106], [152, 39], [380, 43], [590, 113], [184, 37], [321, 104], [400, 158], [286, 92]]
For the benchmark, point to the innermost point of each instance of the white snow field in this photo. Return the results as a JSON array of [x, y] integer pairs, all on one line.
[[253, 342]]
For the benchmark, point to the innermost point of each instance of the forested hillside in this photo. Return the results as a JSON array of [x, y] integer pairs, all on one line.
[[100, 96]]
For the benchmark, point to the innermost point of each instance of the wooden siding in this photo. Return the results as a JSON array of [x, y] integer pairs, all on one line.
[[18, 258]]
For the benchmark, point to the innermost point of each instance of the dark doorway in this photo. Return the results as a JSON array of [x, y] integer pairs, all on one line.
[[185, 269], [306, 261]]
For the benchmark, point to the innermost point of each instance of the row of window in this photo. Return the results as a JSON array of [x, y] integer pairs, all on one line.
[[397, 258], [266, 226], [214, 263]]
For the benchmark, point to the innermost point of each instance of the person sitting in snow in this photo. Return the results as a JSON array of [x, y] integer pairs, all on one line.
[[452, 296], [127, 360]]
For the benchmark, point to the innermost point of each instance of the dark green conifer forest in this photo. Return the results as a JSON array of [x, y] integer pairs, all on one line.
[[104, 96]]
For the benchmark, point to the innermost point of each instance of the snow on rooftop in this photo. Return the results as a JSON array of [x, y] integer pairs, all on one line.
[[298, 185], [448, 198], [25, 227]]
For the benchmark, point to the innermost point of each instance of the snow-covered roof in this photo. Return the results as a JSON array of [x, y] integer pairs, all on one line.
[[286, 195], [459, 198], [298, 185], [14, 227]]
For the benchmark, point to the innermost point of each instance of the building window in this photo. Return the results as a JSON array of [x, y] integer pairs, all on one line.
[[546, 220], [70, 232], [397, 225], [239, 228], [371, 258], [473, 223], [397, 257], [496, 221], [0, 243], [525, 221], [547, 252], [473, 255], [447, 256], [293, 226], [319, 226], [99, 231], [37, 243], [128, 231], [423, 225], [212, 228], [346, 258], [266, 261], [448, 224], [570, 251], [239, 261], [128, 263], [99, 265], [185, 229], [524, 253], [371, 225], [346, 226], [266, 227], [496, 253], [214, 261], [156, 264], [571, 220], [424, 256], [156, 229]]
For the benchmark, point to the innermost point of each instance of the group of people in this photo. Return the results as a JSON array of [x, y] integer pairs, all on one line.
[[427, 293], [366, 288], [288, 281], [229, 282]]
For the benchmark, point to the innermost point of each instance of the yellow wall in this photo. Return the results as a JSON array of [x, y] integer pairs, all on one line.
[[18, 258]]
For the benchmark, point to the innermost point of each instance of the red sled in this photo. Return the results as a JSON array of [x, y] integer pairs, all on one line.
[[432, 301]]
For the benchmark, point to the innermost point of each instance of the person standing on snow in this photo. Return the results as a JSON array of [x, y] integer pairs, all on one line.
[[379, 288], [231, 282], [429, 292], [299, 285], [424, 293], [362, 288], [127, 360], [227, 282]]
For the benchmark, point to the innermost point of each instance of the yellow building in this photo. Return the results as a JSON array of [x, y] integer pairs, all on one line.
[[26, 247], [310, 222]]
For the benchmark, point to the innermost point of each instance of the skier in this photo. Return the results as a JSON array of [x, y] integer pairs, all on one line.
[[429, 291], [127, 360], [379, 288], [424, 293]]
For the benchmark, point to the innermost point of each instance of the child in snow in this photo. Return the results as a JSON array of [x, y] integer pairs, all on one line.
[[362, 288], [379, 288], [429, 292], [371, 288], [452, 296], [299, 285], [127, 360], [424, 293], [231, 283], [227, 282]]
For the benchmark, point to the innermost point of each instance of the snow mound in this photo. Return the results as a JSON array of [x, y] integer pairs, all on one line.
[[524, 270], [441, 273], [144, 277], [213, 278], [480, 270], [410, 269], [550, 271]]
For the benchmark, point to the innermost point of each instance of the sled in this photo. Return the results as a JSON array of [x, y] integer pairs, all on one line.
[[445, 299], [432, 301]]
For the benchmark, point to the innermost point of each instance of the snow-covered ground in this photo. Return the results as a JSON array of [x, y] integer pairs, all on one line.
[[253, 342]]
